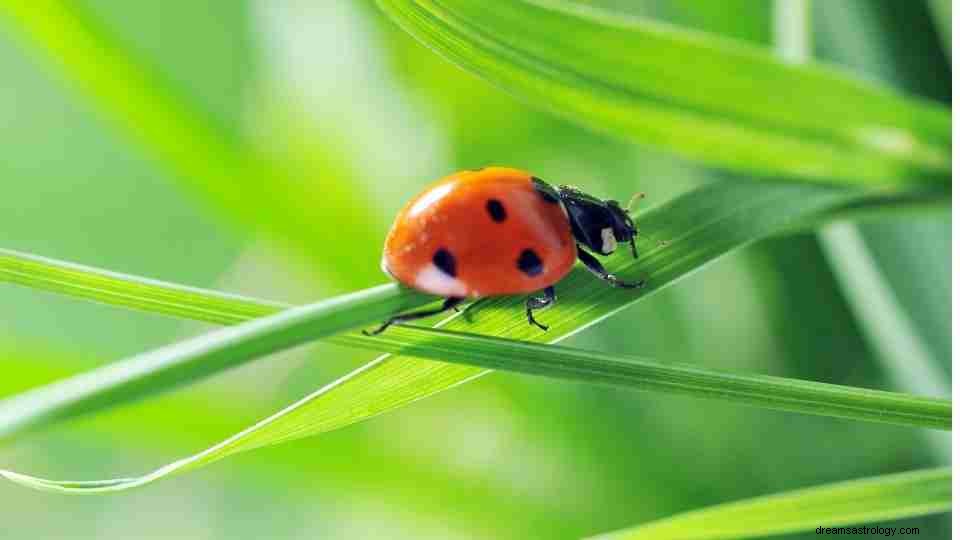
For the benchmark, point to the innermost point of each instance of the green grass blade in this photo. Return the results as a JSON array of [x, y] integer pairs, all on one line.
[[862, 502], [489, 352], [699, 226], [211, 306], [113, 383], [630, 372], [705, 97], [191, 360], [133, 292]]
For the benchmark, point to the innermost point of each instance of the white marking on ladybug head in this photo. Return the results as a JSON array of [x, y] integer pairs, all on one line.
[[430, 279], [609, 241], [429, 198]]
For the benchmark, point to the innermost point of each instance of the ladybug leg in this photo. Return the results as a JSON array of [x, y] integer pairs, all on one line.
[[448, 304], [598, 270], [468, 311], [540, 302]]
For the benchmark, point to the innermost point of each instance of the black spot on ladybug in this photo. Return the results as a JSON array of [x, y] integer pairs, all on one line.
[[496, 210], [545, 190], [444, 260], [529, 263]]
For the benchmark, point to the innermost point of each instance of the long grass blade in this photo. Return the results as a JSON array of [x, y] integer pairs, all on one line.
[[699, 227], [860, 503], [702, 96], [137, 377], [630, 372], [134, 292], [191, 360]]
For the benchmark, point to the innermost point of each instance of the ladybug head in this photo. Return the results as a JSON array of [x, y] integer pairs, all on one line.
[[623, 228], [600, 225]]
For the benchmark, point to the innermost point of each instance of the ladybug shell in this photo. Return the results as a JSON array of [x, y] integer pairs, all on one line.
[[480, 233]]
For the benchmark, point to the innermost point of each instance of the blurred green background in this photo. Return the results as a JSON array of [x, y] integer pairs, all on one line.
[[366, 117]]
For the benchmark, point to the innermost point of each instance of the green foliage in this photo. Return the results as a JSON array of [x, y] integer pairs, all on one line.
[[941, 10], [702, 96], [867, 500], [204, 153], [693, 94], [192, 360], [143, 375], [697, 227]]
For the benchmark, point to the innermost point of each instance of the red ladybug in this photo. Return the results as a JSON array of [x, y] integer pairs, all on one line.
[[500, 231]]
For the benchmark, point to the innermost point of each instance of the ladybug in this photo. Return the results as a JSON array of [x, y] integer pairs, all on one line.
[[500, 231]]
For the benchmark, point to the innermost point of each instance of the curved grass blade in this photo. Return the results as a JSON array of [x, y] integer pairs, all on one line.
[[864, 501], [190, 360], [210, 306], [470, 349], [705, 97], [699, 227], [496, 353]]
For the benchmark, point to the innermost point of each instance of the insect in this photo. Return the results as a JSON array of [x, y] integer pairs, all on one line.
[[500, 231]]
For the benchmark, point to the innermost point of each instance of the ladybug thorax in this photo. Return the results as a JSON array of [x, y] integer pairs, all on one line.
[[599, 225]]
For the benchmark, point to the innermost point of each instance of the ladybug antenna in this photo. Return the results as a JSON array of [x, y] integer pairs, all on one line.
[[636, 197]]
